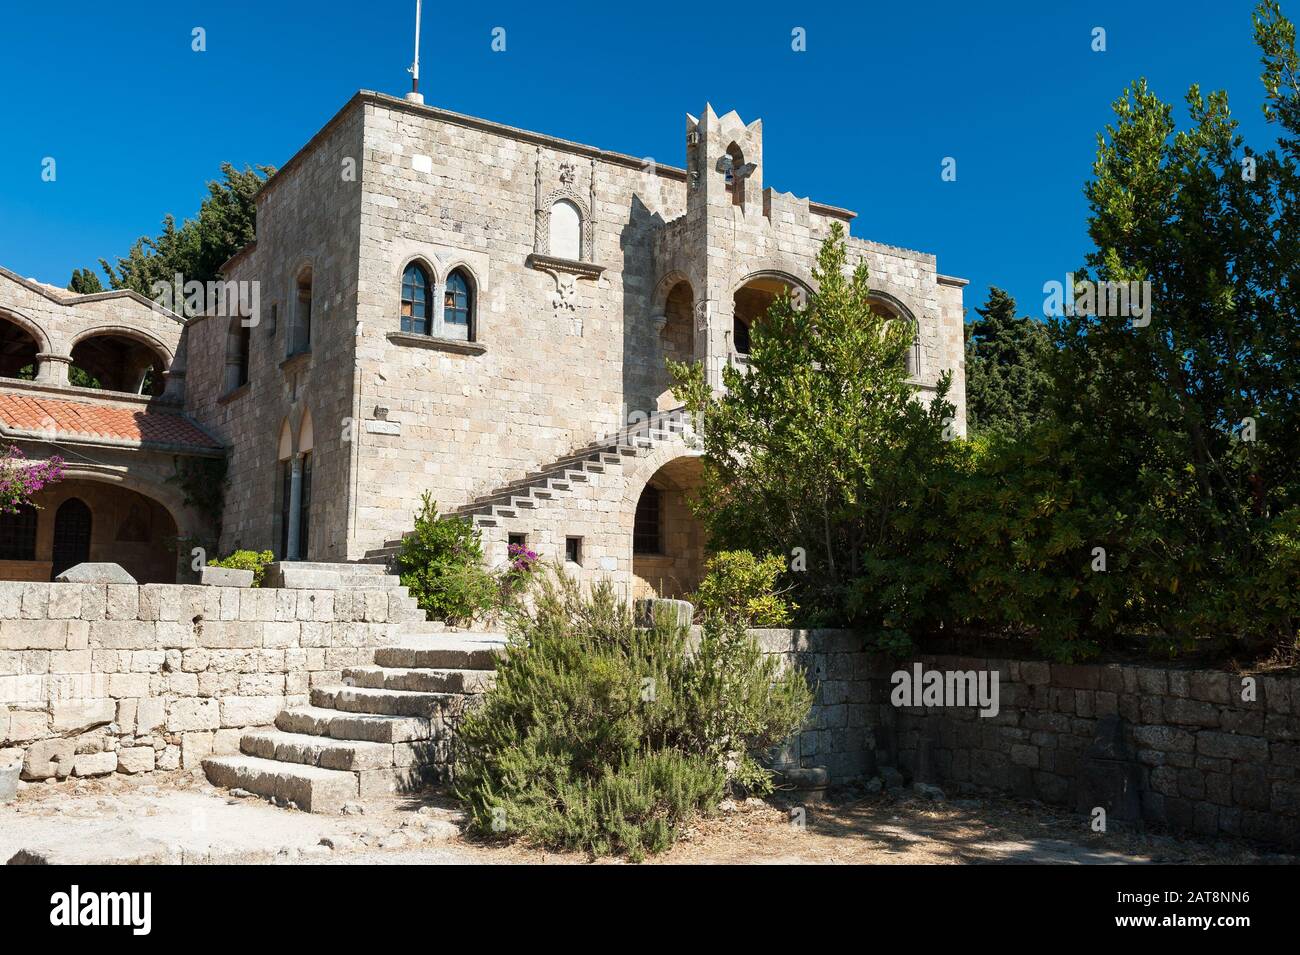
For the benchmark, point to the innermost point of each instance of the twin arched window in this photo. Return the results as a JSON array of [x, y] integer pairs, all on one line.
[[422, 314]]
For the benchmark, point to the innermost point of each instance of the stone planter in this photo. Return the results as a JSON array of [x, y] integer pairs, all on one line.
[[225, 577]]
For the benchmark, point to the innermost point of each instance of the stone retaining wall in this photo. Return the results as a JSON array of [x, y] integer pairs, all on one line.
[[840, 732], [1192, 753], [1170, 745], [102, 678]]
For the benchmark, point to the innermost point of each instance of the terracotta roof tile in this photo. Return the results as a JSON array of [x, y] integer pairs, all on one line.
[[79, 419]]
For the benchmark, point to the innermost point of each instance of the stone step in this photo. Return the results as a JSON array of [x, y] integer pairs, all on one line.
[[352, 699], [346, 755], [442, 680], [450, 652], [363, 727], [310, 788]]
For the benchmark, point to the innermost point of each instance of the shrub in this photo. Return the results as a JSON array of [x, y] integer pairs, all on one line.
[[602, 736], [441, 562], [255, 561], [741, 587]]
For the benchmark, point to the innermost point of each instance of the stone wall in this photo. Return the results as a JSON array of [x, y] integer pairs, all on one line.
[[102, 678], [1194, 755], [841, 730], [1166, 745]]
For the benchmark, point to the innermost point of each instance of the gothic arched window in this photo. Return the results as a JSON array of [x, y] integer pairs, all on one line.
[[417, 301], [458, 307]]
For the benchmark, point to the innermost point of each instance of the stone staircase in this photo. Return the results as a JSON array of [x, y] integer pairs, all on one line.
[[516, 500], [386, 727]]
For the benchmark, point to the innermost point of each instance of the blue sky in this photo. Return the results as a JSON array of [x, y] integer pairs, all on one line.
[[137, 121]]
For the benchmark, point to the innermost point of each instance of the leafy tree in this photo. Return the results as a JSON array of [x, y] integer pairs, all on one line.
[[1006, 375], [821, 440], [1188, 427], [84, 282], [200, 246], [441, 561]]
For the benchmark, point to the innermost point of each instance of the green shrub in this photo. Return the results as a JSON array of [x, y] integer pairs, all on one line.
[[441, 562], [605, 737], [741, 587], [253, 560]]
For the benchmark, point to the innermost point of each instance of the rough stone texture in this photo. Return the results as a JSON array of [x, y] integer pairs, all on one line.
[[95, 573], [839, 734], [563, 354], [1179, 747], [225, 577], [177, 673]]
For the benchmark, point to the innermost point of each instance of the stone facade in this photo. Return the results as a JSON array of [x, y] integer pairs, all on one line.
[[585, 270], [523, 385]]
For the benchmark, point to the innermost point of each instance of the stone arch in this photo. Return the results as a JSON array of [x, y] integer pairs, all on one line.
[[898, 310], [29, 325], [121, 358], [126, 331], [20, 346], [751, 297], [672, 472]]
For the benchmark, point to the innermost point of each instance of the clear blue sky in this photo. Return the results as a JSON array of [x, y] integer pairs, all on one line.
[[137, 122]]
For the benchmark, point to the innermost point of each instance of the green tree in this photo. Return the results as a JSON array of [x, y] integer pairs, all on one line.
[[810, 452], [200, 246], [1187, 425], [1006, 374], [84, 282]]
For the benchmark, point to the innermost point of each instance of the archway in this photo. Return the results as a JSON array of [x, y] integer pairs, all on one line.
[[81, 519], [112, 361], [667, 540], [677, 338], [18, 350], [895, 311], [750, 303]]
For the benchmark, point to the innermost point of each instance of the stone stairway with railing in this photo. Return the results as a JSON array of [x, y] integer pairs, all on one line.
[[385, 727], [513, 506]]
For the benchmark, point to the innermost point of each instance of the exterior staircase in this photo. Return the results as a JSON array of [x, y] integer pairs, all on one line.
[[559, 479], [386, 727]]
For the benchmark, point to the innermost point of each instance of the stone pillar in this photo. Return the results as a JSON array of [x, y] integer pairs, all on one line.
[[295, 508], [173, 386], [52, 369]]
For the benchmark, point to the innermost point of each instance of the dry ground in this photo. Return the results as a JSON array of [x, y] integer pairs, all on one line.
[[178, 817]]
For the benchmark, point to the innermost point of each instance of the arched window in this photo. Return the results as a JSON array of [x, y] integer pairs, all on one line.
[[300, 334], [458, 307], [239, 341], [417, 301], [566, 230]]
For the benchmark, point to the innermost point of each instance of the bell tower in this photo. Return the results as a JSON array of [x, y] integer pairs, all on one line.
[[724, 200]]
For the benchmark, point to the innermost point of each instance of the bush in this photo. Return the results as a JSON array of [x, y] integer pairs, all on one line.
[[255, 561], [605, 737], [741, 587], [441, 562]]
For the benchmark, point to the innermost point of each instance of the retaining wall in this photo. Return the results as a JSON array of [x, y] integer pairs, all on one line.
[[102, 678]]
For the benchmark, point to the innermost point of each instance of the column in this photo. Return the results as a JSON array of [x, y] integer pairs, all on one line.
[[295, 507]]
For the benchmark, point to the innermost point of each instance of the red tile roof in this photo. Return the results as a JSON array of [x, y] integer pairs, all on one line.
[[81, 419]]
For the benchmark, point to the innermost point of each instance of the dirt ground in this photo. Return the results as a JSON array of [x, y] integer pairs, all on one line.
[[179, 818]]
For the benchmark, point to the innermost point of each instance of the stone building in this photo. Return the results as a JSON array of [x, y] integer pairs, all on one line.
[[450, 305]]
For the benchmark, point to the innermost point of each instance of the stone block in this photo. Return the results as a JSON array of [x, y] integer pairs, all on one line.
[[79, 716], [185, 715], [250, 710], [195, 747], [1229, 746], [50, 758], [150, 714], [94, 764], [94, 572], [136, 759]]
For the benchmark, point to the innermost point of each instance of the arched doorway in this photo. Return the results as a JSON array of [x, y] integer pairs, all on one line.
[[72, 524], [667, 540]]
